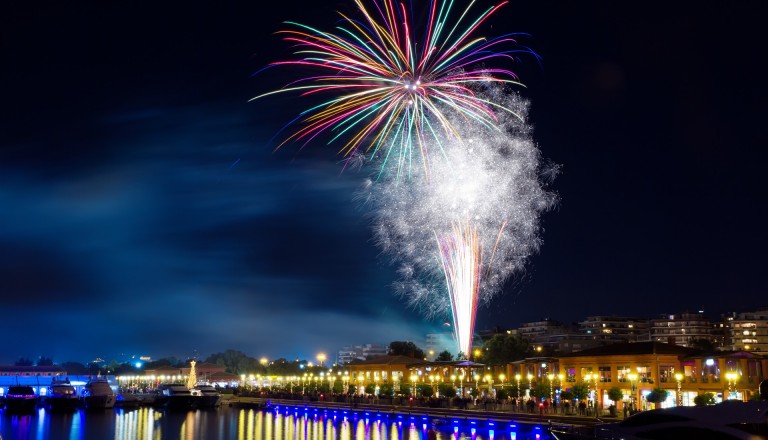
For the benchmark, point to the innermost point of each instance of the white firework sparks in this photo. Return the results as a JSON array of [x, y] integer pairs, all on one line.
[[460, 232]]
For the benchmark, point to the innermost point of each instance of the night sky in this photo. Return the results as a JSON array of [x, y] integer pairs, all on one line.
[[145, 212]]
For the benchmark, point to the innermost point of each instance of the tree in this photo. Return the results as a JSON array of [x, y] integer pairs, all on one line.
[[235, 362], [580, 390], [514, 391], [74, 368], [704, 399], [23, 362], [426, 390], [502, 349], [386, 390], [446, 390], [501, 394], [282, 367], [43, 361], [405, 348], [541, 390], [615, 394], [370, 388], [657, 395], [567, 395], [444, 356]]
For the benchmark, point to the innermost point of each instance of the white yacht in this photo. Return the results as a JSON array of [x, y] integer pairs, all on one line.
[[210, 397], [98, 394]]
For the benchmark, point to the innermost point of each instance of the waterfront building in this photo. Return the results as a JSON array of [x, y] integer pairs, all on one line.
[[405, 373], [748, 331], [612, 329], [681, 329], [638, 368]]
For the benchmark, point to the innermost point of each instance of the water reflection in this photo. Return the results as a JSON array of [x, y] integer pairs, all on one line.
[[240, 424]]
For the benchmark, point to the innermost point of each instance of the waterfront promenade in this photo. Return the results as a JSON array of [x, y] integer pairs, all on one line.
[[497, 413]]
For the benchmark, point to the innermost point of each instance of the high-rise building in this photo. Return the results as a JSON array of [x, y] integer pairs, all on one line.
[[682, 329], [615, 328], [749, 331]]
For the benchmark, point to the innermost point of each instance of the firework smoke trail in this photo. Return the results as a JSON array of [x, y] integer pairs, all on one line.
[[396, 88], [470, 225]]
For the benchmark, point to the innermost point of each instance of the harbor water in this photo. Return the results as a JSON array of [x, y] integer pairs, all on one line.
[[147, 423]]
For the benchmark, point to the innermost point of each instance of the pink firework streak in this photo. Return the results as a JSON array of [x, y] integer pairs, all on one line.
[[461, 256], [389, 90]]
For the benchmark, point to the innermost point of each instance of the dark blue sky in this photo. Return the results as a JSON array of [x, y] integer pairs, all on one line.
[[144, 212]]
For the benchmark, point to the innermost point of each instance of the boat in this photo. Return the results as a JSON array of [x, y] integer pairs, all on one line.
[[98, 394], [176, 396], [62, 396], [210, 397], [730, 419], [20, 399], [132, 400]]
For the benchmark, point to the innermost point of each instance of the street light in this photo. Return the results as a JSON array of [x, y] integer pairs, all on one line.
[[732, 377], [551, 376], [321, 358], [489, 381], [530, 384], [501, 379], [632, 379], [679, 378], [517, 378], [413, 385]]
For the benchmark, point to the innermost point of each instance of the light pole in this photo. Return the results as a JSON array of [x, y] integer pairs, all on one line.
[[517, 378], [321, 358], [551, 377], [501, 379], [731, 377], [461, 382], [413, 385], [632, 379], [679, 378], [477, 383], [530, 384]]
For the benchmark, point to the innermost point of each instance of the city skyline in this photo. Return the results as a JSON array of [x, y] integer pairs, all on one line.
[[144, 207]]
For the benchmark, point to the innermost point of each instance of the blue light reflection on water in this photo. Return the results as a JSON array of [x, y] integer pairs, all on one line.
[[244, 424]]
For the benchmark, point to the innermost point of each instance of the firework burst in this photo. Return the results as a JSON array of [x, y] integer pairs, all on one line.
[[470, 226], [393, 94]]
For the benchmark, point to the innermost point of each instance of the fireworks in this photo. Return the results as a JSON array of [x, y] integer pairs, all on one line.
[[396, 89], [470, 226], [416, 102]]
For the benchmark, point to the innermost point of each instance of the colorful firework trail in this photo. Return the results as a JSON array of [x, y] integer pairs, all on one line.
[[395, 88], [462, 260], [471, 226]]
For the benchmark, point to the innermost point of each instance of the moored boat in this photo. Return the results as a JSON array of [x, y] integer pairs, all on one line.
[[98, 394], [61, 396], [176, 397], [210, 397], [20, 399]]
